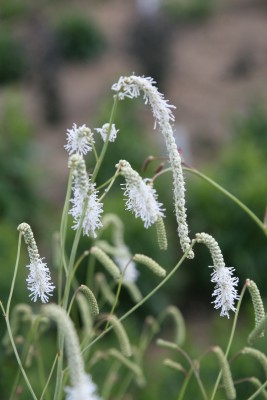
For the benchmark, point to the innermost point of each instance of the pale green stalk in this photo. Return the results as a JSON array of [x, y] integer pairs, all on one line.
[[174, 346], [105, 146], [147, 297], [230, 196], [49, 377], [109, 380], [258, 391], [230, 339]]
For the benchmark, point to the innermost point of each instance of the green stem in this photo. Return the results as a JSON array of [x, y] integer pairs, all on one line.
[[16, 353], [14, 278], [230, 196], [105, 146], [49, 377], [258, 391], [147, 297], [230, 339]]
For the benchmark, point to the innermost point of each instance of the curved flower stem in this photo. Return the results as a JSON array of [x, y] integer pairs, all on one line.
[[16, 352], [111, 181], [13, 279], [230, 196], [174, 346], [141, 302], [230, 339], [105, 146], [250, 213]]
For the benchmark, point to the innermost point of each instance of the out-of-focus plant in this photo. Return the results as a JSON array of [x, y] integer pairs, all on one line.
[[12, 59], [79, 38], [189, 11]]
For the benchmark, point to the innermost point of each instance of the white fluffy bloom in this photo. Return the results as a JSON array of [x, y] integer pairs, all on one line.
[[104, 131], [142, 197], [39, 281], [225, 291], [84, 390], [79, 140], [132, 87], [85, 203]]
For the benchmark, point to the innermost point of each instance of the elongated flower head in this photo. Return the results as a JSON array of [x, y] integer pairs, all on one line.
[[225, 291], [141, 196], [85, 203], [104, 132], [79, 140], [39, 281], [82, 387], [132, 87]]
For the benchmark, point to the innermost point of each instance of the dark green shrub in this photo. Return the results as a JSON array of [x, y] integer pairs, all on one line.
[[79, 38], [12, 60]]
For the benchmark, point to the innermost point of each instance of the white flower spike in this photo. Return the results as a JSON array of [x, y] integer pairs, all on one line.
[[85, 203], [79, 140], [39, 281], [225, 291], [132, 87], [104, 131], [142, 197], [83, 388]]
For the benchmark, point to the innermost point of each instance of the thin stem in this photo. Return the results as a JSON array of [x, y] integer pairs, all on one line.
[[230, 196], [258, 391], [147, 297], [112, 180], [49, 377], [14, 278], [230, 339], [116, 300], [105, 146], [16, 353]]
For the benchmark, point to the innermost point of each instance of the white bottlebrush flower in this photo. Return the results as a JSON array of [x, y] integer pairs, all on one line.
[[39, 281], [104, 131], [83, 388], [141, 196], [85, 203], [79, 140], [132, 87], [225, 291]]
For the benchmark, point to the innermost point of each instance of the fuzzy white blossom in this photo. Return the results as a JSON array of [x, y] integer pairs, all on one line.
[[141, 196], [132, 87], [82, 387], [225, 283], [104, 132], [39, 281], [85, 202], [79, 140]]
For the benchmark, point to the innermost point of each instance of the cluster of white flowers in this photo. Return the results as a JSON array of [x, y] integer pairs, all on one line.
[[39, 280], [105, 130], [86, 205], [83, 388], [131, 87], [142, 197], [79, 140], [225, 283]]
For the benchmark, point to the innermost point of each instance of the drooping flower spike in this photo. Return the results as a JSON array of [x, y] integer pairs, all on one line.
[[85, 203], [132, 87], [141, 196], [39, 281], [82, 387], [79, 140], [225, 291]]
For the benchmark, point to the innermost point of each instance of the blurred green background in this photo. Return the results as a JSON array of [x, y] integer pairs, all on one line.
[[58, 61]]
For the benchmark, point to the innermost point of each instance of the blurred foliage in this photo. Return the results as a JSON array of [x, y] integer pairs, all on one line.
[[12, 60], [239, 169], [79, 38], [189, 11], [12, 9]]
